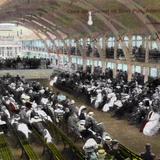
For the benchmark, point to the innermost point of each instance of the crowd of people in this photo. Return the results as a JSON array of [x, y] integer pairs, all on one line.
[[27, 104], [139, 54], [24, 63], [137, 101], [134, 100]]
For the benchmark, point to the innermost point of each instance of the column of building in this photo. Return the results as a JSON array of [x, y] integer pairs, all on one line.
[[116, 43], [93, 41], [69, 54], [146, 69], [76, 53], [65, 50], [129, 60], [103, 54], [83, 54]]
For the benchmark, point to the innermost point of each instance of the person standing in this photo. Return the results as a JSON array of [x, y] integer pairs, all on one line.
[[147, 155]]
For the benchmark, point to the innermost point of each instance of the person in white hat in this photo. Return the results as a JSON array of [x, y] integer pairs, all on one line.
[[90, 122], [25, 98], [53, 81], [20, 126], [112, 98], [90, 148], [44, 101], [91, 114], [20, 89], [58, 113], [72, 107], [82, 113], [42, 114], [42, 91], [47, 136], [12, 86], [99, 98], [153, 125]]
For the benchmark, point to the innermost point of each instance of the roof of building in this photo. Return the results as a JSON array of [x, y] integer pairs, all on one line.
[[69, 17]]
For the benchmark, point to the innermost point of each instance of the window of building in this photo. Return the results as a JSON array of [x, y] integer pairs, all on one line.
[[111, 42], [81, 41], [67, 42], [119, 66], [88, 41], [56, 42], [122, 67], [100, 63], [95, 63], [110, 65], [79, 61], [136, 69], [73, 43], [126, 40], [125, 67], [153, 72], [89, 62], [154, 45], [73, 59], [136, 41], [65, 59]]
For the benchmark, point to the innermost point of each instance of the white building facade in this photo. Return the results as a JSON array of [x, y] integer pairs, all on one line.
[[9, 48]]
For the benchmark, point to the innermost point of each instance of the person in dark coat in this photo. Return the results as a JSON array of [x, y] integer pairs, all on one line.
[[147, 155]]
